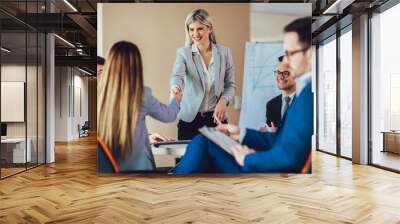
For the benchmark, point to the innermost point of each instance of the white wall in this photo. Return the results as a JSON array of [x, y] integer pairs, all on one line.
[[70, 84], [33, 127], [100, 30], [12, 73], [61, 103], [80, 109], [267, 20], [82, 82], [269, 27]]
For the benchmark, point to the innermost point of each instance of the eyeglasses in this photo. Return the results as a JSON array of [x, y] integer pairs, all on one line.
[[291, 53], [284, 73]]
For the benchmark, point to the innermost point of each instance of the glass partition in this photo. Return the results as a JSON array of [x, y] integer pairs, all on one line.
[[13, 105], [385, 89], [346, 94], [327, 96], [22, 77]]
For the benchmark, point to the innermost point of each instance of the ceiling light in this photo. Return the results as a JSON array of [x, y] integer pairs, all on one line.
[[64, 40], [338, 6], [70, 5], [5, 50]]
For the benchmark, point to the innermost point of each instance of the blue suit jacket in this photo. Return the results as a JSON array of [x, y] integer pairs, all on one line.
[[288, 149]]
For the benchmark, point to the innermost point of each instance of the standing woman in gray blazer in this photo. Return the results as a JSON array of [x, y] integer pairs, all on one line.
[[205, 73]]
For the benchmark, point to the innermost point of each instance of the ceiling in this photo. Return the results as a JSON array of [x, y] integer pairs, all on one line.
[[76, 21]]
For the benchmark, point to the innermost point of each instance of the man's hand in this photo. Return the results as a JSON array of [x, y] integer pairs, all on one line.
[[267, 128], [155, 137], [240, 152]]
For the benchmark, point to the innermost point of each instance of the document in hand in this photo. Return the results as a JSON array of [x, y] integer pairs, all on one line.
[[219, 138]]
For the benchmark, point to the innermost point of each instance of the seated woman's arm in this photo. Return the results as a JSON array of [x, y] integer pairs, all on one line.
[[160, 111]]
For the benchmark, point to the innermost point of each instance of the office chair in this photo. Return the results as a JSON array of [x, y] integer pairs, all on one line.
[[84, 130], [307, 166], [105, 160]]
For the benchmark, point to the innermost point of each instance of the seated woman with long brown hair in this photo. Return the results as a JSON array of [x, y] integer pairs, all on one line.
[[123, 104]]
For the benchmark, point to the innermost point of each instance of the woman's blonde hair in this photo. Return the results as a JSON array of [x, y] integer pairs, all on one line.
[[202, 16], [120, 97]]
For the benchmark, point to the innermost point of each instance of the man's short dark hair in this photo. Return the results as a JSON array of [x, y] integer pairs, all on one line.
[[280, 59], [100, 60], [302, 27]]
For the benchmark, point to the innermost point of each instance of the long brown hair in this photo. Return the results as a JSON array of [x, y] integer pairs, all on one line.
[[120, 94]]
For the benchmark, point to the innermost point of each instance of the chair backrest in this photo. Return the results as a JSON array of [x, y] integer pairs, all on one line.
[[86, 125], [105, 160], [307, 166]]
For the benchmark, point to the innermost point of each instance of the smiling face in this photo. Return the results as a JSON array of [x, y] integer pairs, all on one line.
[[285, 82], [199, 33]]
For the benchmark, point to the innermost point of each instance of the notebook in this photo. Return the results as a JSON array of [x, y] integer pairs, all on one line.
[[219, 138]]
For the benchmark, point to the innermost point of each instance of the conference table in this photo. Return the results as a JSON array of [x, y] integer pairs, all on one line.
[[166, 154]]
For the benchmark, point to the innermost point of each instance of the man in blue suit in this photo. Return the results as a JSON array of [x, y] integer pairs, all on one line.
[[289, 148]]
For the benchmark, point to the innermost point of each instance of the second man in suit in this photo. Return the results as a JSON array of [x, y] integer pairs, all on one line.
[[277, 106]]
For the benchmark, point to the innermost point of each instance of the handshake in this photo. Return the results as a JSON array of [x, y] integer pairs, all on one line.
[[176, 92]]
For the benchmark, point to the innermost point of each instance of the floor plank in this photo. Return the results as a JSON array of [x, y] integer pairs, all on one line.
[[70, 191]]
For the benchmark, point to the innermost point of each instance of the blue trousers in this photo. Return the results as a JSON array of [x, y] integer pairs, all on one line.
[[204, 156]]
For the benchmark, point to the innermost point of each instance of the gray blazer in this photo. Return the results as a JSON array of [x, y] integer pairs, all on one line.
[[188, 74], [142, 156]]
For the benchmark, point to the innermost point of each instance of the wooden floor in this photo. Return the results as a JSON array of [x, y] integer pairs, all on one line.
[[5, 172], [386, 159], [70, 191], [10, 171]]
